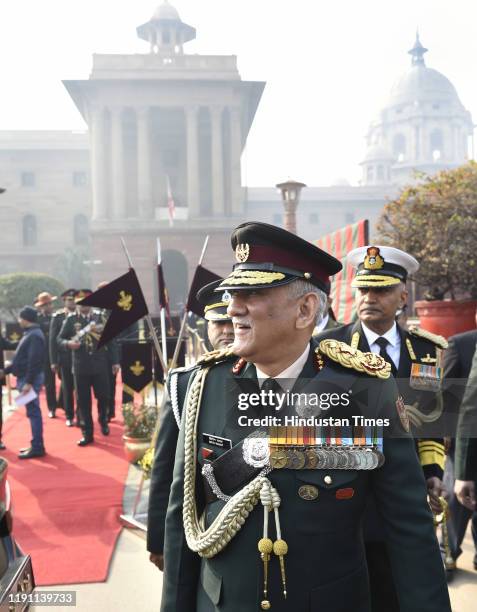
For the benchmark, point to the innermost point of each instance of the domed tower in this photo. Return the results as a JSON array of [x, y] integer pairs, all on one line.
[[423, 127], [165, 32]]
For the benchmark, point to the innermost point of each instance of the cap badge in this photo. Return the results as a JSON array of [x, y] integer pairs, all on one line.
[[226, 297], [373, 260], [242, 251]]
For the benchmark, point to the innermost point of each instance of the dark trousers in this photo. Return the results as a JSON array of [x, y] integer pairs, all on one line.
[[34, 413], [459, 514], [50, 387], [83, 384], [68, 390], [383, 592], [112, 393]]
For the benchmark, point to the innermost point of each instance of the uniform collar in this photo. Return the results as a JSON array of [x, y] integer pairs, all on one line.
[[290, 373], [392, 335]]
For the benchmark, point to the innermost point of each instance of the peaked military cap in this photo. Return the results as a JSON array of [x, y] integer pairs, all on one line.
[[81, 294], [380, 266], [215, 304], [68, 293], [269, 256]]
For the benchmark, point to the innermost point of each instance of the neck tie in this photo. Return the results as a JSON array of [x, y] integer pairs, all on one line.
[[383, 343], [272, 389]]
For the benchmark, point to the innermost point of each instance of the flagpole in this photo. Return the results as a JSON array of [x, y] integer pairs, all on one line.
[[186, 313], [162, 309], [152, 331]]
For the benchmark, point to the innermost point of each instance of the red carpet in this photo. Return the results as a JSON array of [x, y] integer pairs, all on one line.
[[66, 505]]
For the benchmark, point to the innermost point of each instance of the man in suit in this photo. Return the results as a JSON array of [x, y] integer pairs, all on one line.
[[61, 358], [235, 488], [80, 333], [380, 284], [220, 333], [457, 364], [44, 304]]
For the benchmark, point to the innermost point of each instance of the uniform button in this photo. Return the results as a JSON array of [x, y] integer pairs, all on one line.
[[328, 480]]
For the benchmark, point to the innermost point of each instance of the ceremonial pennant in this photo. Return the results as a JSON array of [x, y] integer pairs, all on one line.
[[124, 298], [201, 278], [136, 365]]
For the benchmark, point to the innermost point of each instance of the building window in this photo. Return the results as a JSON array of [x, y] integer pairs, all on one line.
[[436, 142], [277, 219], [80, 179], [399, 147], [349, 217], [313, 218], [28, 179], [80, 230], [30, 237]]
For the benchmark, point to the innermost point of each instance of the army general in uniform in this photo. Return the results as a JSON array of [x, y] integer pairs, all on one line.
[[265, 525]]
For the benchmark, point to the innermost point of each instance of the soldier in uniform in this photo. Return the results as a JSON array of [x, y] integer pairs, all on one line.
[[80, 333], [329, 320], [220, 333], [224, 513], [466, 446], [44, 305], [61, 357], [380, 293]]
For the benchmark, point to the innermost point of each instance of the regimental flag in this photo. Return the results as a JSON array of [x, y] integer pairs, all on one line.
[[136, 366], [124, 298], [162, 290], [171, 206], [13, 332], [201, 278], [171, 345], [338, 244]]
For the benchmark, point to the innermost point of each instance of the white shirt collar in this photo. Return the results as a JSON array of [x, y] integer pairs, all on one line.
[[289, 374], [392, 335]]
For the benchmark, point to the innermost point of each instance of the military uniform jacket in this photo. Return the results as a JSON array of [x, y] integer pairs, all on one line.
[[87, 359], [325, 565], [163, 466], [413, 349], [59, 354], [44, 321]]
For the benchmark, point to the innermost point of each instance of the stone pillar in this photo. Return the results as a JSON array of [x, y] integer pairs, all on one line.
[[117, 164], [144, 179], [235, 155], [98, 167], [193, 195], [218, 203]]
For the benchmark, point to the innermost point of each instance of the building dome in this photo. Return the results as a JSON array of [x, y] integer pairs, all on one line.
[[166, 11], [422, 84], [377, 153]]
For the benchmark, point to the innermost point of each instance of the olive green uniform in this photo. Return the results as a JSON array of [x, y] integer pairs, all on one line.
[[466, 436]]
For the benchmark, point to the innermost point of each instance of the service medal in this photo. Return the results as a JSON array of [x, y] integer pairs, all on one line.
[[278, 459], [311, 459]]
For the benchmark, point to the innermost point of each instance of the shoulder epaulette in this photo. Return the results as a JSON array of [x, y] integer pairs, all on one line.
[[439, 341], [215, 356], [72, 314], [58, 312], [349, 357]]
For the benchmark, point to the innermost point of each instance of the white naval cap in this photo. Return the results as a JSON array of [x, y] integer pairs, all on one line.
[[380, 266]]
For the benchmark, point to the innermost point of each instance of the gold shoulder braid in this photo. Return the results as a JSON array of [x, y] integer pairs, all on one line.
[[348, 357], [215, 356], [439, 341]]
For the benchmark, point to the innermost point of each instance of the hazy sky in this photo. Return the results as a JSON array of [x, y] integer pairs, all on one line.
[[328, 66]]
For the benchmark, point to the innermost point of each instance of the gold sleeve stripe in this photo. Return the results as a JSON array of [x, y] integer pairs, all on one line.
[[430, 458]]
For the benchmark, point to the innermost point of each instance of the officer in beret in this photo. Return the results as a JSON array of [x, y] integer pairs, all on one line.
[[61, 358], [380, 284], [44, 305], [220, 333], [80, 333], [273, 520]]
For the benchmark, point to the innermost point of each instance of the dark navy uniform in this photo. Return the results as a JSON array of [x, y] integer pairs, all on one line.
[[62, 357], [90, 369], [44, 321]]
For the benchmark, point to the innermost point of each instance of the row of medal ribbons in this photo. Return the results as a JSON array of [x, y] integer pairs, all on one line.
[[318, 448]]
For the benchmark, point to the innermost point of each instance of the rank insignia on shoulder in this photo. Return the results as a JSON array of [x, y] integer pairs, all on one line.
[[349, 357], [403, 415], [439, 341], [215, 356], [239, 366]]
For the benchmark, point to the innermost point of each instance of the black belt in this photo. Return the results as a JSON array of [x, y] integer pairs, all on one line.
[[230, 472]]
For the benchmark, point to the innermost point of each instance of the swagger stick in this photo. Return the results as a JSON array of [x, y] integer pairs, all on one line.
[[186, 313], [152, 331]]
